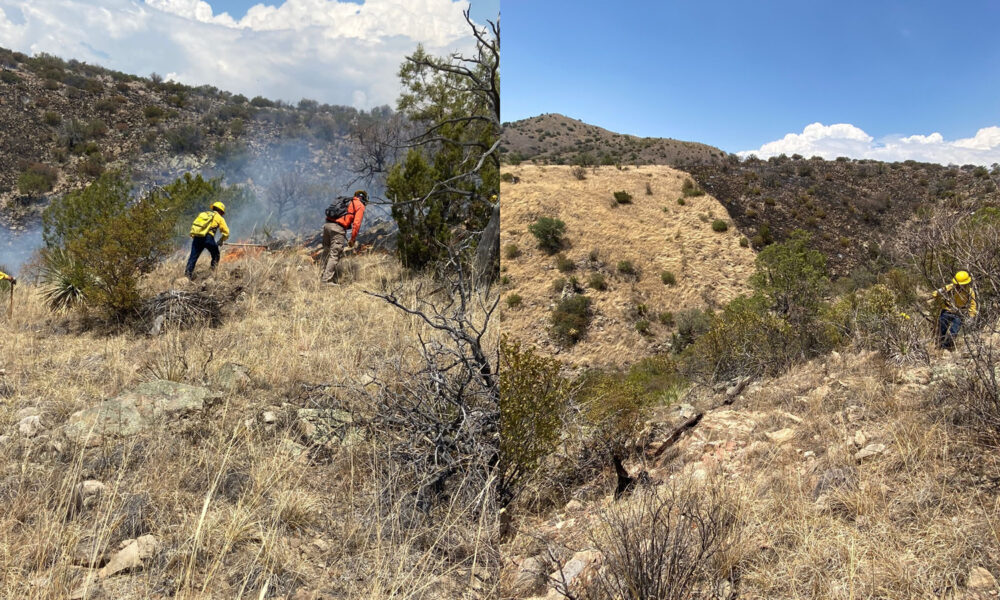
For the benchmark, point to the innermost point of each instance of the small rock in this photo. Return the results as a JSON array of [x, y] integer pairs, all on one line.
[[269, 417], [29, 411], [131, 555], [869, 451], [30, 426], [808, 454], [782, 435], [580, 569], [854, 413], [685, 411], [860, 439], [291, 448], [981, 580], [87, 493], [530, 578], [574, 505]]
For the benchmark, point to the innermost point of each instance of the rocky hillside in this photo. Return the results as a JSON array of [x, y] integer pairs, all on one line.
[[64, 122], [855, 209], [845, 478], [641, 263], [557, 139]]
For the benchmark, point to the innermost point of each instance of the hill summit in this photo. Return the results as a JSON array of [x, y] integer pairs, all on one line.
[[558, 139]]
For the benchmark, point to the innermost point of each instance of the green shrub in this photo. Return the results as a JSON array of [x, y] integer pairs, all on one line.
[[744, 242], [719, 225], [763, 236], [597, 282], [680, 201], [769, 201], [558, 285], [505, 280], [649, 189], [666, 318], [106, 105], [579, 173], [116, 238], [51, 118], [507, 177], [513, 300], [746, 339], [642, 326], [570, 319], [186, 138], [691, 323], [9, 77], [535, 397], [153, 113], [689, 189], [511, 251], [668, 278], [37, 179], [594, 255], [623, 197], [792, 276], [625, 267], [564, 264], [616, 404], [92, 166], [548, 231]]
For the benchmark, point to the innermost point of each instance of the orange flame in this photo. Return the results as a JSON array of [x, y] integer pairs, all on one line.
[[235, 254]]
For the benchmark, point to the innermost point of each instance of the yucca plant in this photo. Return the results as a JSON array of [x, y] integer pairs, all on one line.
[[64, 280]]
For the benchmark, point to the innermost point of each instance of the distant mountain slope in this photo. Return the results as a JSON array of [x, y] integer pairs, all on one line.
[[558, 139], [64, 122], [854, 208]]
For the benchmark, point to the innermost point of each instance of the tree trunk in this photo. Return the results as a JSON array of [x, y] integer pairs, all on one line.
[[487, 264]]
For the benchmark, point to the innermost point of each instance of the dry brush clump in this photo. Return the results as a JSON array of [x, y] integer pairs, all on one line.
[[240, 500]]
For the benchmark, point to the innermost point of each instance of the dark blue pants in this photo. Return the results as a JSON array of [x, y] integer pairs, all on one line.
[[198, 244], [948, 325]]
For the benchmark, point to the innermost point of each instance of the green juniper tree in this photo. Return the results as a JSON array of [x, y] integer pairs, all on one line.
[[447, 183]]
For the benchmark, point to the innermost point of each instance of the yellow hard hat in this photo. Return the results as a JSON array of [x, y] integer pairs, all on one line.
[[962, 278], [219, 207]]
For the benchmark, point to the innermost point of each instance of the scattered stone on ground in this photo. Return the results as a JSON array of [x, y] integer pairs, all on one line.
[[138, 409], [30, 426]]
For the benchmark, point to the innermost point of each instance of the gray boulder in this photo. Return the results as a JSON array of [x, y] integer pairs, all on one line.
[[139, 409]]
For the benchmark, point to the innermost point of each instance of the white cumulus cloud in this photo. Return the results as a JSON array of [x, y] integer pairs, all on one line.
[[328, 50], [844, 139]]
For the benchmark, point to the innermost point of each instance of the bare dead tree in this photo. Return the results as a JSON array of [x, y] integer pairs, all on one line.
[[444, 420], [286, 191], [376, 144]]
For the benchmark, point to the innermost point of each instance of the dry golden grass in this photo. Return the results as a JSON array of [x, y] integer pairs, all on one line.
[[236, 512], [814, 520], [653, 232]]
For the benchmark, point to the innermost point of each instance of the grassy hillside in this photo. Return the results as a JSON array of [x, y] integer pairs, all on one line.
[[557, 139], [653, 255], [287, 481]]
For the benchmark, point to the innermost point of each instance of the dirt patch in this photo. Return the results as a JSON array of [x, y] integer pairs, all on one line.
[[653, 232]]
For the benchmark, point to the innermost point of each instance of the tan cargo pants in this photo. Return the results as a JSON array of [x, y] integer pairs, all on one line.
[[334, 240]]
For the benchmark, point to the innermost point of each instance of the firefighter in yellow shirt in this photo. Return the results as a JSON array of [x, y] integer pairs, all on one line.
[[956, 301], [203, 236]]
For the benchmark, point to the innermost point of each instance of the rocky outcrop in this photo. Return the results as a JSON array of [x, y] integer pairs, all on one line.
[[138, 409]]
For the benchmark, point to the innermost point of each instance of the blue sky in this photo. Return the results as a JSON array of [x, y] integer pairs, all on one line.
[[741, 74]]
